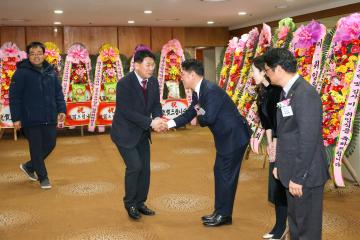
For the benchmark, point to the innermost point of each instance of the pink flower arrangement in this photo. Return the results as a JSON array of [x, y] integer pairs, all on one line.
[[307, 36], [348, 28]]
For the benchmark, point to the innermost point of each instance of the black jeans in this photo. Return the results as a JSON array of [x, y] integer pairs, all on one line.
[[42, 141], [137, 173]]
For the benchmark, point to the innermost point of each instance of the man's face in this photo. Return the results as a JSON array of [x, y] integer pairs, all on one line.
[[36, 55], [146, 68], [187, 78]]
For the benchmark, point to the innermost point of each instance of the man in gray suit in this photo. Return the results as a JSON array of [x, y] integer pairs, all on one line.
[[300, 155]]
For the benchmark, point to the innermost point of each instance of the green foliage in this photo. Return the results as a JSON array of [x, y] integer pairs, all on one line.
[[219, 66], [125, 61], [157, 62], [326, 47]]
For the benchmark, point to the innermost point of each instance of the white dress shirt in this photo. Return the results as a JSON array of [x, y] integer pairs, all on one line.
[[290, 83]]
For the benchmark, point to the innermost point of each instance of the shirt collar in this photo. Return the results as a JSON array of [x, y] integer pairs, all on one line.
[[197, 88], [140, 79], [290, 83]]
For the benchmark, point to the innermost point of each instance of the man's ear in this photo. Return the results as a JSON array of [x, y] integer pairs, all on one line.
[[136, 66]]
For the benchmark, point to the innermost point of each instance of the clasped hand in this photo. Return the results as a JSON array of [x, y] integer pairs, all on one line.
[[159, 125]]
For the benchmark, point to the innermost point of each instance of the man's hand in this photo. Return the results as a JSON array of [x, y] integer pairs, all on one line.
[[275, 173], [295, 189], [159, 125], [61, 117], [199, 110], [17, 125]]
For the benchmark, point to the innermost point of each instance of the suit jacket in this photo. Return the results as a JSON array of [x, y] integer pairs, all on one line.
[[229, 128], [300, 153], [133, 115]]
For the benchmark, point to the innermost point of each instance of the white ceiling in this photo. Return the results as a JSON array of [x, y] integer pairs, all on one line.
[[188, 13]]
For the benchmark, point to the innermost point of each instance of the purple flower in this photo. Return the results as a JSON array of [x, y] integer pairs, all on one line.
[[306, 36]]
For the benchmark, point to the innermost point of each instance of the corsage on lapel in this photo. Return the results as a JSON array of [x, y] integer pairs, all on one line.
[[283, 103]]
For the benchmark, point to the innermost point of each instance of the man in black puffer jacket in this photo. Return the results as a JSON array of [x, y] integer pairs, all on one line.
[[36, 104]]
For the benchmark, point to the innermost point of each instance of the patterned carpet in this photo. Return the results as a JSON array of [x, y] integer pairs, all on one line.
[[86, 199]]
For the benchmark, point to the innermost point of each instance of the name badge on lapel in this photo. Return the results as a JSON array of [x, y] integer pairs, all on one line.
[[287, 111], [285, 107]]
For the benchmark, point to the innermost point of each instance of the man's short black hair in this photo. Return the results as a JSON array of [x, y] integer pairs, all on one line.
[[35, 45], [193, 65], [280, 57], [142, 54]]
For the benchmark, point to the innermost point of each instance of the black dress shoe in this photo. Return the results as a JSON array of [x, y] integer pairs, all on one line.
[[146, 211], [219, 220], [208, 218], [133, 212]]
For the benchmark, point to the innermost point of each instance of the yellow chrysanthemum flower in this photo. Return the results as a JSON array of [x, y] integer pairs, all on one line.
[[233, 69], [353, 58], [349, 77], [342, 69]]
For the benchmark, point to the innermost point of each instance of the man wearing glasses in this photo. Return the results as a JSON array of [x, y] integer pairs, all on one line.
[[36, 104], [300, 155]]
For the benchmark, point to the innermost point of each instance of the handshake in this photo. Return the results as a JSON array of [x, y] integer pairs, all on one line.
[[159, 125]]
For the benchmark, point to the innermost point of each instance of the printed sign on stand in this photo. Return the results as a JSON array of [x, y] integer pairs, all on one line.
[[174, 107]]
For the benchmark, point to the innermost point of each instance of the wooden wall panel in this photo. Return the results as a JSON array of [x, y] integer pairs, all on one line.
[[208, 37], [160, 36], [13, 34], [91, 37], [45, 34], [179, 34], [129, 37]]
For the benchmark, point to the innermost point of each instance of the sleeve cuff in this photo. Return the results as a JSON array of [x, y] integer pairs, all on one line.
[[171, 124]]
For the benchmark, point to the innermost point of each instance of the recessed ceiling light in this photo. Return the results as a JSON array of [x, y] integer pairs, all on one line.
[[148, 12], [131, 22], [57, 23], [210, 22], [58, 11], [281, 6], [242, 13]]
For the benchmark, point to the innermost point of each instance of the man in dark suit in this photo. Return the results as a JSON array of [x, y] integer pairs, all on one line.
[[300, 154], [215, 109], [138, 109]]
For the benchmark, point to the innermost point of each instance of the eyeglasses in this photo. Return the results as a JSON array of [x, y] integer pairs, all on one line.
[[36, 54]]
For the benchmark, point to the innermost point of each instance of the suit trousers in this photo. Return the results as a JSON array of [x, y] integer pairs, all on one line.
[[137, 173], [226, 174], [305, 214], [42, 141]]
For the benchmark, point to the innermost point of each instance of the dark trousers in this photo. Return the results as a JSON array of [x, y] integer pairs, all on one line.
[[226, 173], [42, 141], [305, 214], [137, 173]]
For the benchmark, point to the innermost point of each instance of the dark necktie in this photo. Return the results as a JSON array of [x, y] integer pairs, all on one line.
[[196, 97], [144, 87], [282, 95]]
